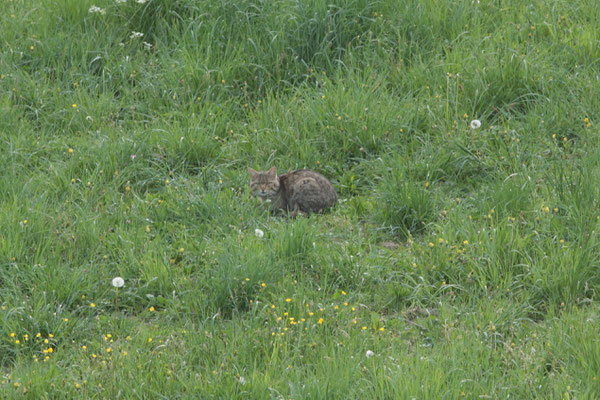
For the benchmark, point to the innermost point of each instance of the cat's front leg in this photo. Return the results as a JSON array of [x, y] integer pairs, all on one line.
[[295, 211]]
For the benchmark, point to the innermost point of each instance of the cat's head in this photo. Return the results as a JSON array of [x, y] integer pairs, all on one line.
[[264, 184]]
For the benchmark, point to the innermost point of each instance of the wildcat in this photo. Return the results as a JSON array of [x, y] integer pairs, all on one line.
[[302, 191]]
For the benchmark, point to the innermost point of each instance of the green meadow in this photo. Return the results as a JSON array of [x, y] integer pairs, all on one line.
[[458, 262]]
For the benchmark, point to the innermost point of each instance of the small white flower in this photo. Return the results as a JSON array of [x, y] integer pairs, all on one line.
[[369, 354], [259, 233], [147, 46], [121, 1], [141, 1], [242, 380], [96, 10], [135, 35], [118, 282], [475, 124]]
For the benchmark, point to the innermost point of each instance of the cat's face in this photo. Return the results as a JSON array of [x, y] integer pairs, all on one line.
[[264, 184]]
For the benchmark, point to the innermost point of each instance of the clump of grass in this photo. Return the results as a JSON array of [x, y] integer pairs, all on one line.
[[294, 244], [233, 276], [404, 207]]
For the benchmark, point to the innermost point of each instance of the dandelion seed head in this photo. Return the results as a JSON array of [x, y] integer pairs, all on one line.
[[475, 124], [96, 10], [118, 282]]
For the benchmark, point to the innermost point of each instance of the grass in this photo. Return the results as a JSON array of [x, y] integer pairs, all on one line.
[[465, 260]]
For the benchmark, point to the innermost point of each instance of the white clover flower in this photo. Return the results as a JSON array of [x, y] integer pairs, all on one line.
[[118, 282], [259, 233], [96, 10], [475, 124], [369, 354], [135, 35]]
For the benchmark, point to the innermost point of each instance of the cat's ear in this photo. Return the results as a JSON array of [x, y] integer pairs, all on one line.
[[273, 171], [252, 172]]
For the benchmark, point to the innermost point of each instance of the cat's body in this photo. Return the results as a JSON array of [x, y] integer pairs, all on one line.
[[301, 191]]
